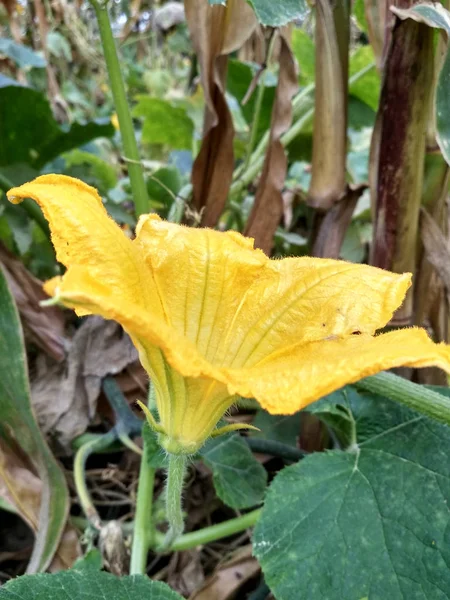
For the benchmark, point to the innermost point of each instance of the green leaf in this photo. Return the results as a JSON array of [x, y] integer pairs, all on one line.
[[164, 123], [435, 15], [240, 480], [85, 585], [58, 45], [21, 228], [367, 87], [280, 428], [29, 132], [20, 54], [101, 170], [156, 457], [163, 186], [279, 13], [304, 51], [239, 78], [91, 561], [18, 427], [371, 523]]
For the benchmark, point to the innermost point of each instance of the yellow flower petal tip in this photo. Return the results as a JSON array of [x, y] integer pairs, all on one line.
[[214, 319]]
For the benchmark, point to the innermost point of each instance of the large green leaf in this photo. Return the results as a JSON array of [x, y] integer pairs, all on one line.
[[164, 123], [279, 13], [370, 524], [18, 427], [85, 585], [240, 480], [29, 132], [435, 15]]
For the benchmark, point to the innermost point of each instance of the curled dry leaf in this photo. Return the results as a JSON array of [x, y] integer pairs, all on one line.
[[185, 573], [216, 31], [229, 577], [333, 227], [113, 548], [43, 326], [437, 250], [65, 395], [268, 207], [328, 182], [23, 489]]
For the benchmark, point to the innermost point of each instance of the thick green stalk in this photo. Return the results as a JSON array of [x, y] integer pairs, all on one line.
[[174, 497], [419, 398], [143, 524], [130, 148], [213, 533]]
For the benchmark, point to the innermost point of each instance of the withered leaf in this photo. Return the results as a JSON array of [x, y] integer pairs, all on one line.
[[330, 98], [229, 577], [215, 31], [268, 206], [65, 395]]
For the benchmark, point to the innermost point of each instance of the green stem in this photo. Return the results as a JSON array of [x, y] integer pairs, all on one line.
[[176, 472], [213, 533], [31, 208], [143, 524], [130, 148], [258, 105], [419, 398], [79, 473]]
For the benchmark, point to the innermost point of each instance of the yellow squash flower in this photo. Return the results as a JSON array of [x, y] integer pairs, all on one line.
[[214, 319]]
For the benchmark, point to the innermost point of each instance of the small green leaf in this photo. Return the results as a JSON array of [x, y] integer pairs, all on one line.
[[367, 87], [276, 14], [280, 428], [240, 480], [156, 457], [85, 585], [163, 186], [20, 54], [371, 523], [305, 53], [101, 170], [91, 561], [18, 427], [164, 123]]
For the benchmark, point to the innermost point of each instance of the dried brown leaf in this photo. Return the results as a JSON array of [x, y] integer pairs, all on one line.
[[65, 395], [333, 227], [268, 206], [23, 489], [229, 577], [43, 326], [437, 250], [215, 31], [10, 6], [186, 572], [328, 182]]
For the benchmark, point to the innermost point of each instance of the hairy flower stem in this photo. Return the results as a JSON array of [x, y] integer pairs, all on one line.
[[414, 396], [130, 148], [143, 524], [174, 493]]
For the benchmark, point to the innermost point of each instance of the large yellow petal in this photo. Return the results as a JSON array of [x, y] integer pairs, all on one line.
[[202, 276], [294, 377], [83, 234], [309, 299]]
